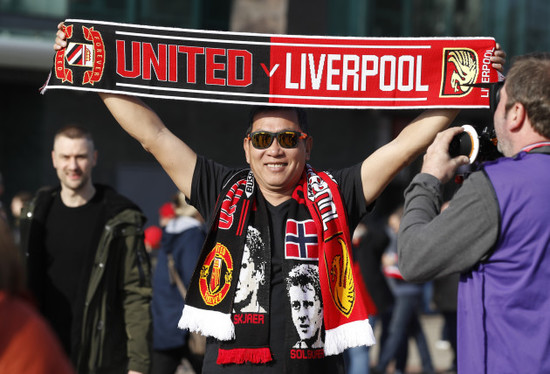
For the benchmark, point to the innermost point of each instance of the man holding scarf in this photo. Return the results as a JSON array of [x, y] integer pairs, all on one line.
[[300, 217]]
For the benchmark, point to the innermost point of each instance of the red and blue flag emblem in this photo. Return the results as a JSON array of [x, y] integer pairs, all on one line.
[[301, 240]]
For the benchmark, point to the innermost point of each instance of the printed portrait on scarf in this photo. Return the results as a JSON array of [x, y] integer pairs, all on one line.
[[304, 292], [252, 276]]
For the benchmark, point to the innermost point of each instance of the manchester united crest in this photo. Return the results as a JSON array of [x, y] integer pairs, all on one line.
[[216, 275], [88, 57]]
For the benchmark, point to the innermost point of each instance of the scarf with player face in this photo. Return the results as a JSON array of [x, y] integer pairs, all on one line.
[[228, 298]]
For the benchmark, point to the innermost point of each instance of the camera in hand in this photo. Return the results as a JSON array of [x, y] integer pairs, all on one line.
[[478, 146]]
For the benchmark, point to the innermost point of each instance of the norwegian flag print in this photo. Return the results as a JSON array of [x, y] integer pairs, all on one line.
[[301, 240]]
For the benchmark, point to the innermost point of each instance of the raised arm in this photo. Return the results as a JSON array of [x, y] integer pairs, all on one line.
[[143, 124], [383, 165]]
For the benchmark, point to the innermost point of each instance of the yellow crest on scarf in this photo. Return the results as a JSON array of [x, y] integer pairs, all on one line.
[[342, 286], [216, 275]]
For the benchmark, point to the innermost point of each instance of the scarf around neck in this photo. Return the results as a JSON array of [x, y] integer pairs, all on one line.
[[238, 241]]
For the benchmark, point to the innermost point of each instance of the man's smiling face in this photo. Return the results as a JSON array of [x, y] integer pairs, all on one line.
[[73, 160], [277, 170]]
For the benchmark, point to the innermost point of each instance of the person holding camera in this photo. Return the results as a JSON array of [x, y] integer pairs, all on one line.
[[495, 231]]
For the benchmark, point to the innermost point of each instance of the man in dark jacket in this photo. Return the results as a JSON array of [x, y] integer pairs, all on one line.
[[87, 265]]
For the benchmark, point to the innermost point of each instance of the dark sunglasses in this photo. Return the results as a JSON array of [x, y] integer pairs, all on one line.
[[286, 139]]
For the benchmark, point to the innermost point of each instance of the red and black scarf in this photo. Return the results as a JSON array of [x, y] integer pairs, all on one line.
[[241, 226], [264, 69]]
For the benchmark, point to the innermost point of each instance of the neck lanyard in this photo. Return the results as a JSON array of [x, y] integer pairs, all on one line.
[[530, 147]]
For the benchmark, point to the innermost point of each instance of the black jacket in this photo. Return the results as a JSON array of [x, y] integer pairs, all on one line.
[[115, 329]]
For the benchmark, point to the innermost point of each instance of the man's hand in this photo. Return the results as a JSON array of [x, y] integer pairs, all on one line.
[[498, 59], [133, 372], [437, 160], [60, 38]]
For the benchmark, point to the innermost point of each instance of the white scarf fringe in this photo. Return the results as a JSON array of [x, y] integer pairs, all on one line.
[[207, 323], [349, 335]]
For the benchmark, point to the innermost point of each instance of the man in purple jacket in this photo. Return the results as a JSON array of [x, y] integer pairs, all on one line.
[[496, 231]]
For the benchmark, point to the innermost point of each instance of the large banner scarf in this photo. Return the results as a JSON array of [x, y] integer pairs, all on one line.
[[284, 70]]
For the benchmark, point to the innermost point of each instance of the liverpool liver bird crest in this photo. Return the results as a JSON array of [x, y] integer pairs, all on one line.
[[466, 70]]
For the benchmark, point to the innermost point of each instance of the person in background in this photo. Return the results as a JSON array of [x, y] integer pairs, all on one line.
[[495, 231], [17, 202], [153, 236], [87, 264], [27, 343], [405, 320], [182, 239], [369, 243], [166, 213]]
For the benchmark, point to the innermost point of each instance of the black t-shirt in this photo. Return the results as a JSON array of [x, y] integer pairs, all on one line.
[[71, 237], [208, 180]]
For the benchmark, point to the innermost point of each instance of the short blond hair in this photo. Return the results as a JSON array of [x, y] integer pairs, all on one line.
[[75, 132]]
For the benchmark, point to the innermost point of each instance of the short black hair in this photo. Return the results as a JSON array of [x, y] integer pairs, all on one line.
[[300, 112]]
